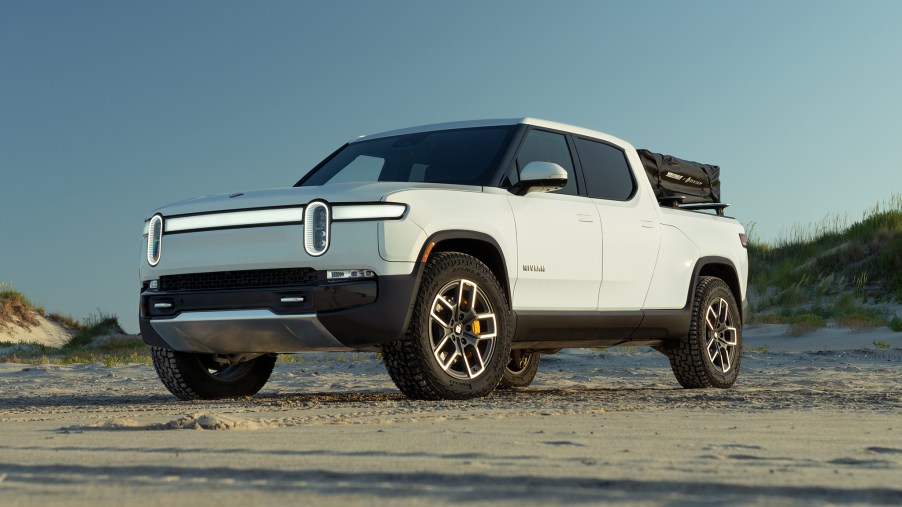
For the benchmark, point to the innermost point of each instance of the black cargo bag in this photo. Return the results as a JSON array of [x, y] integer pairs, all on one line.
[[673, 177]]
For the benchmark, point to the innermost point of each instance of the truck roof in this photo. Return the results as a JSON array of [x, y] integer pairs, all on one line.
[[553, 125]]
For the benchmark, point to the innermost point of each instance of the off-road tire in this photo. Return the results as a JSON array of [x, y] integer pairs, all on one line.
[[197, 377], [411, 362], [520, 370], [690, 359]]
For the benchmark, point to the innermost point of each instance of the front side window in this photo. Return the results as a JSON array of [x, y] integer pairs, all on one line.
[[461, 156], [548, 147], [607, 172]]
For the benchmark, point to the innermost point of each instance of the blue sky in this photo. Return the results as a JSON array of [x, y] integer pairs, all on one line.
[[110, 109]]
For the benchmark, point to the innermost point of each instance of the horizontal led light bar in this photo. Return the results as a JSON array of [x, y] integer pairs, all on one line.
[[294, 215], [235, 219], [367, 211]]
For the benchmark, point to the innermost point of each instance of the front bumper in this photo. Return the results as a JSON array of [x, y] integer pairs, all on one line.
[[323, 317]]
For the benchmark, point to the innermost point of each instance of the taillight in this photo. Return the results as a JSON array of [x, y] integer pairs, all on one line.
[[743, 239]]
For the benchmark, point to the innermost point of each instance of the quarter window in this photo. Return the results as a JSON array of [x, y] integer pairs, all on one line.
[[607, 172]]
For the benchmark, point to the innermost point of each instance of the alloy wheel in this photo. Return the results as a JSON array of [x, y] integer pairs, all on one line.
[[721, 335], [462, 329]]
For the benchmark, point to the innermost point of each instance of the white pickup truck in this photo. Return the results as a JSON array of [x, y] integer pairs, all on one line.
[[460, 251]]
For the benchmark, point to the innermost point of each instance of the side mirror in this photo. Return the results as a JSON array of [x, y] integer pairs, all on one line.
[[540, 176]]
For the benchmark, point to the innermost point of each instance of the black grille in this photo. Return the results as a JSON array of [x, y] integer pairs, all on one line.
[[251, 279]]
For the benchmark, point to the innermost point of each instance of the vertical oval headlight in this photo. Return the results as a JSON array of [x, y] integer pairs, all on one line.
[[154, 240], [316, 228]]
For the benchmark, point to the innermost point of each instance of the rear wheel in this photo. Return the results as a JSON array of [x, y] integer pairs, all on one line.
[[197, 376], [520, 370], [711, 354], [458, 340]]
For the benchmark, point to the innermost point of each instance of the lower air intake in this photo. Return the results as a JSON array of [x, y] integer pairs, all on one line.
[[250, 279]]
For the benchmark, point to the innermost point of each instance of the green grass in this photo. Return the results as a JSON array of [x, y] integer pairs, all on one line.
[[115, 351], [836, 269], [895, 324], [97, 324], [834, 255], [846, 311], [880, 344]]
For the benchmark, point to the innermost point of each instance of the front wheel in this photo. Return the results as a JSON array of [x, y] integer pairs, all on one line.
[[459, 336], [711, 354], [198, 377]]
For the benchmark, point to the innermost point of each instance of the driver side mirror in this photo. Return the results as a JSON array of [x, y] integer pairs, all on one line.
[[540, 176]]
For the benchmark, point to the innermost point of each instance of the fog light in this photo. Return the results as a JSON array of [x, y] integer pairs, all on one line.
[[153, 285], [350, 274]]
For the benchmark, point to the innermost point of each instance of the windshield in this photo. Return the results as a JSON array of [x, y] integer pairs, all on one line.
[[462, 156]]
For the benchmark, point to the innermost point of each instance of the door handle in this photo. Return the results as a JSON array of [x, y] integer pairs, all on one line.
[[583, 217], [648, 224]]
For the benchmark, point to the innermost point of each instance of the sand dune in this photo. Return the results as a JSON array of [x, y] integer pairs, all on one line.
[[46, 332]]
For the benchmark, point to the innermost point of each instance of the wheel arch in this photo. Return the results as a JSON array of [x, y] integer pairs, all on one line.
[[719, 267], [479, 245]]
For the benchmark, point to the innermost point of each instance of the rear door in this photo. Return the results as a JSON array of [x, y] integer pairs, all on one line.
[[559, 248], [629, 224]]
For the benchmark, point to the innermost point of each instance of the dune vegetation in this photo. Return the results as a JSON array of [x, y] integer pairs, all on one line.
[[15, 308], [96, 338], [833, 272]]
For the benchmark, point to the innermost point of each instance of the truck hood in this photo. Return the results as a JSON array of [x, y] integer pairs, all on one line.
[[299, 196]]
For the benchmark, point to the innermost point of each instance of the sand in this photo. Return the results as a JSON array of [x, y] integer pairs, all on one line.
[[46, 332], [813, 420]]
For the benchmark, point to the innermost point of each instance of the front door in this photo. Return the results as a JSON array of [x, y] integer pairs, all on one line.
[[558, 253], [558, 236]]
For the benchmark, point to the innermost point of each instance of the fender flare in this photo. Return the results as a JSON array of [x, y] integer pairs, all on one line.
[[733, 283], [461, 234]]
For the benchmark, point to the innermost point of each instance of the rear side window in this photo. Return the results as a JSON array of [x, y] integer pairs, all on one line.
[[607, 173], [548, 147]]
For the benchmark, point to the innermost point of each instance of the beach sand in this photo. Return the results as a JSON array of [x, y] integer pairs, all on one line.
[[45, 332], [812, 420]]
